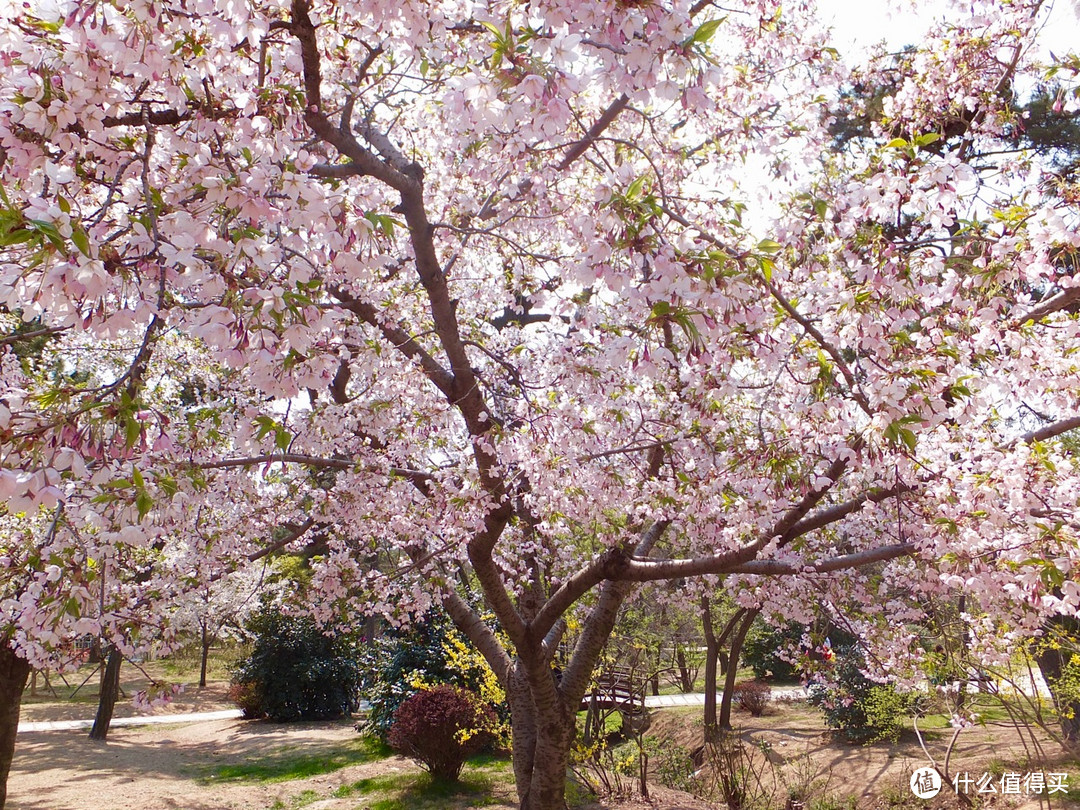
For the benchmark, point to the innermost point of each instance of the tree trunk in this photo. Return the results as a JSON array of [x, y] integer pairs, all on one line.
[[1053, 659], [714, 656], [724, 720], [206, 640], [110, 690], [543, 732], [14, 670], [686, 683], [712, 652]]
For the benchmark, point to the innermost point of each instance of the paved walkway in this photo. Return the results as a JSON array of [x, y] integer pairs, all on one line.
[[145, 720], [698, 698], [651, 701]]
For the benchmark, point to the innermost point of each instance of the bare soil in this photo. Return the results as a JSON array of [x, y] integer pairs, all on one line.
[[790, 747], [172, 766]]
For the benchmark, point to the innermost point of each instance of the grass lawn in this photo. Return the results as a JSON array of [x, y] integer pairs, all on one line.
[[286, 764]]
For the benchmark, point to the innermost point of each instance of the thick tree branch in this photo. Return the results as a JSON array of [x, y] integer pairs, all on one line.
[[1054, 303], [1046, 432], [653, 570], [294, 535], [56, 330], [589, 577], [363, 160], [831, 514], [476, 630]]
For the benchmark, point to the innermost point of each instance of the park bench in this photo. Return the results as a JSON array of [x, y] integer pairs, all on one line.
[[616, 690]]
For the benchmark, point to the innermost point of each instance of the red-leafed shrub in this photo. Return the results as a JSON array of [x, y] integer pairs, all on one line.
[[752, 696], [245, 694], [440, 728]]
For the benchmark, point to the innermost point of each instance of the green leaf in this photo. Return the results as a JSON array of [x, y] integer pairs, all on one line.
[[493, 29], [769, 246], [16, 237], [896, 433], [168, 485], [633, 193], [767, 267], [897, 143], [282, 439], [81, 240], [144, 503], [704, 32], [132, 431], [50, 231]]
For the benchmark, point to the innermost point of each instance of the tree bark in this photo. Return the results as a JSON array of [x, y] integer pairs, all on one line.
[[14, 670], [1053, 660], [543, 731], [714, 656], [724, 720], [686, 683], [205, 641], [110, 690], [712, 650]]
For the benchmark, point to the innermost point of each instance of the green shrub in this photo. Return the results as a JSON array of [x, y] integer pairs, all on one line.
[[765, 647], [295, 672], [400, 663], [440, 728], [860, 709]]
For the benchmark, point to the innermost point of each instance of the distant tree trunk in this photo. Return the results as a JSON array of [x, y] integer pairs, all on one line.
[[724, 721], [206, 642], [14, 670], [1053, 660], [715, 659], [686, 683], [110, 690]]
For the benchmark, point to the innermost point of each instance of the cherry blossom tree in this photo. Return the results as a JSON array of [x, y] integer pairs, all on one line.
[[542, 300]]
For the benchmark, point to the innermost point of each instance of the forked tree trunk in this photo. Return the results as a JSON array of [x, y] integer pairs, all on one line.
[[724, 721], [543, 732], [14, 670], [716, 662], [110, 690]]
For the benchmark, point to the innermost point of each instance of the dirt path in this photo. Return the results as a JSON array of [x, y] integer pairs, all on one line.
[[148, 768], [173, 766]]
